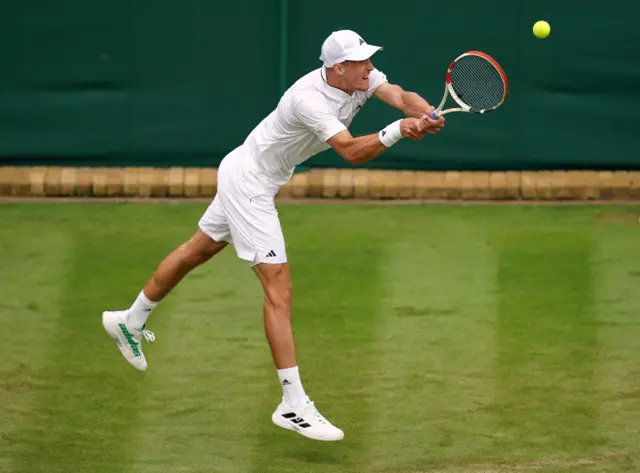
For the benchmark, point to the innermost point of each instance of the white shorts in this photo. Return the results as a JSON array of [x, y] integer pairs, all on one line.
[[243, 212]]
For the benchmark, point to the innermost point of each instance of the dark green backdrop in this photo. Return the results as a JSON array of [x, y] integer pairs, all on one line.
[[181, 83]]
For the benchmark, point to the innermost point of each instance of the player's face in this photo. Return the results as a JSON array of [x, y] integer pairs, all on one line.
[[356, 74]]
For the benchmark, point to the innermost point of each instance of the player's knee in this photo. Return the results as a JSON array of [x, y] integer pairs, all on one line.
[[200, 249], [192, 255], [285, 295], [279, 294], [280, 298]]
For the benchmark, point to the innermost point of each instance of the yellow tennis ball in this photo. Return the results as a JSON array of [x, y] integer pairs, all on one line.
[[541, 29]]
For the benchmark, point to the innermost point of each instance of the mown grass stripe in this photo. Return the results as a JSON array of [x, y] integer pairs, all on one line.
[[547, 345], [85, 416], [435, 349], [29, 310], [618, 319]]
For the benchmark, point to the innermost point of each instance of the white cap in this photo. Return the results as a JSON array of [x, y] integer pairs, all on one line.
[[345, 45]]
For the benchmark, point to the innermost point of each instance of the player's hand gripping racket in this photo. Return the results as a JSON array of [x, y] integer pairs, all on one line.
[[476, 82]]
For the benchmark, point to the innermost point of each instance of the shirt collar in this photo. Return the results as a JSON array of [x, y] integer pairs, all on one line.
[[330, 91]]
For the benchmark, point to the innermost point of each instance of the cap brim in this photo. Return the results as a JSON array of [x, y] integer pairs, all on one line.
[[363, 52]]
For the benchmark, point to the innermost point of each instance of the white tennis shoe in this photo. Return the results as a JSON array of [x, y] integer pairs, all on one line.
[[306, 420], [127, 338]]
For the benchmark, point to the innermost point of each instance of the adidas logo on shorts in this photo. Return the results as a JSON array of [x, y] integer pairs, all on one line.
[[271, 254]]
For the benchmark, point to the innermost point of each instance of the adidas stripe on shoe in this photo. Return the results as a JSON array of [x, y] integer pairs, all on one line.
[[306, 420]]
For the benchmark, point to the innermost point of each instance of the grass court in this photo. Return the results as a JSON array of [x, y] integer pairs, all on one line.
[[448, 339]]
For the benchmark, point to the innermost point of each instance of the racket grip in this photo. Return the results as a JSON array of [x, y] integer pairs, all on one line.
[[434, 116]]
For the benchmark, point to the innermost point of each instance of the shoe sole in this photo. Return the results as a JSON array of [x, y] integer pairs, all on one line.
[[286, 425]]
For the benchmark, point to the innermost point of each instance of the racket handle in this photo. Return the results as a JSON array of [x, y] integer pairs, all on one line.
[[434, 116]]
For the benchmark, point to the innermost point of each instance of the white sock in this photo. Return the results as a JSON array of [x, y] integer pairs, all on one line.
[[292, 389], [140, 310]]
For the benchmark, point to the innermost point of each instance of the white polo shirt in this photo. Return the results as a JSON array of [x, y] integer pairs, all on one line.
[[308, 114]]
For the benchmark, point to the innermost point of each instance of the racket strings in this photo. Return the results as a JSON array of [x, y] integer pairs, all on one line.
[[477, 83]]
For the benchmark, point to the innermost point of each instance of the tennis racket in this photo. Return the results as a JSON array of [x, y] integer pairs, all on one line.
[[476, 82]]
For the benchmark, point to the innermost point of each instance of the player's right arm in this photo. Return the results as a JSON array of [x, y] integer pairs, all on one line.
[[361, 149], [317, 116], [356, 150]]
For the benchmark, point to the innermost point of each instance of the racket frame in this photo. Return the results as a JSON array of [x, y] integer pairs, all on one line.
[[448, 88]]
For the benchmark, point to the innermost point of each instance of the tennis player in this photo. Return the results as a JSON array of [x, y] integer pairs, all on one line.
[[312, 116]]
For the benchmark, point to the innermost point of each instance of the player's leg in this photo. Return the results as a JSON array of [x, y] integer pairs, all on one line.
[[258, 239], [128, 327], [249, 208], [180, 262], [296, 411], [276, 282]]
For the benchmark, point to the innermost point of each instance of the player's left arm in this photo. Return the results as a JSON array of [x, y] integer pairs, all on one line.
[[410, 103]]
